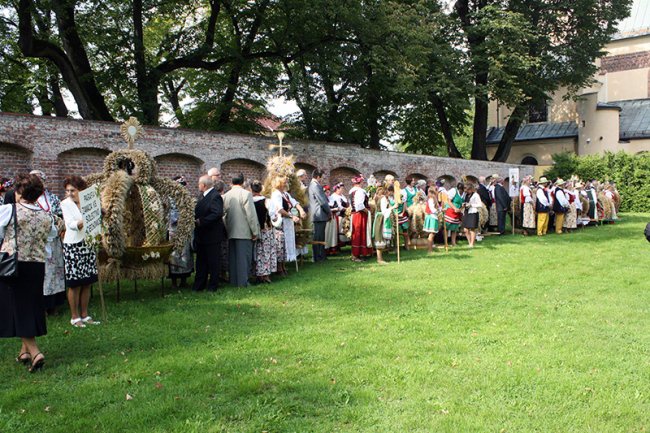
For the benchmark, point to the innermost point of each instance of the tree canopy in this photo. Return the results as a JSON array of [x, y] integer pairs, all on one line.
[[411, 72]]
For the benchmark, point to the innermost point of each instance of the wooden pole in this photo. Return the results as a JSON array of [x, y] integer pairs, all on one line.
[[101, 293], [513, 216], [397, 234]]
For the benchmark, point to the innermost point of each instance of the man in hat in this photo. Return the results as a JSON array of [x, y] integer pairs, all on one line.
[[542, 206], [560, 205], [360, 210]]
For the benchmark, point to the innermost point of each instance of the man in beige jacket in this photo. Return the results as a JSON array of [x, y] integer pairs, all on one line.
[[243, 229]]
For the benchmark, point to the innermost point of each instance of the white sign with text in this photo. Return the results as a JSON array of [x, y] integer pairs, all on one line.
[[91, 209]]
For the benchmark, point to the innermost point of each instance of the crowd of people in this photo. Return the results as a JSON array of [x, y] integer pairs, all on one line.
[[249, 231]]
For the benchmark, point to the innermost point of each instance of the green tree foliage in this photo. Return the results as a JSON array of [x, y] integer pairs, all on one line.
[[406, 71], [630, 172]]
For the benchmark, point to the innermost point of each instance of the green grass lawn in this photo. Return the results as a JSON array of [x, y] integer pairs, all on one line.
[[517, 335]]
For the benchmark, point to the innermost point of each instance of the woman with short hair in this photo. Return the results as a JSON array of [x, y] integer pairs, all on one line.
[[80, 258], [25, 229]]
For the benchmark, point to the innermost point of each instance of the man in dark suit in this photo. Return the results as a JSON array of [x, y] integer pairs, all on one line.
[[502, 202], [208, 235], [320, 213]]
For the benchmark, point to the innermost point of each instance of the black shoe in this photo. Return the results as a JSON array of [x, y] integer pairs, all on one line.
[[37, 364], [22, 359]]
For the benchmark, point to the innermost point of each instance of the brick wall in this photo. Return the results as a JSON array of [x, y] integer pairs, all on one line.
[[172, 165], [250, 169], [13, 160], [57, 145], [342, 174], [79, 162], [625, 62]]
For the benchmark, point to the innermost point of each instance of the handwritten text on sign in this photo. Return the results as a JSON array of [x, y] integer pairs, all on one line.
[[91, 209]]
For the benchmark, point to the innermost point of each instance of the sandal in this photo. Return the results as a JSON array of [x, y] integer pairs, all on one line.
[[37, 364], [89, 321], [77, 323], [24, 360]]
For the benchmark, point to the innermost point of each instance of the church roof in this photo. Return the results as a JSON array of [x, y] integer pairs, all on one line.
[[537, 131]]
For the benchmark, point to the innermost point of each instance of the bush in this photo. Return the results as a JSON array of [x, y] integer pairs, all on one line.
[[630, 172]]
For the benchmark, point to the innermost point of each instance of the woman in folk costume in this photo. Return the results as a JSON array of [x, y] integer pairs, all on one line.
[[571, 217], [332, 225], [360, 216], [54, 282], [592, 196], [382, 227], [284, 206], [452, 208], [402, 218], [431, 221], [266, 260], [338, 201], [409, 193], [527, 201], [472, 206]]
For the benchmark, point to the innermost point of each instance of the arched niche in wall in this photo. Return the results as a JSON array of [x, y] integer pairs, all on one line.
[[171, 165], [252, 170], [343, 174], [81, 161], [14, 159]]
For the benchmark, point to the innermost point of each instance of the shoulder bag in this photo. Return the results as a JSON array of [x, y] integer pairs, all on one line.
[[9, 262]]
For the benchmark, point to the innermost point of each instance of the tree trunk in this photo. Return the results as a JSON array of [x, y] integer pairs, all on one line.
[[452, 150], [332, 107], [57, 98], [304, 106], [510, 133], [76, 53], [171, 92], [227, 101], [147, 83], [372, 115], [44, 100], [465, 11]]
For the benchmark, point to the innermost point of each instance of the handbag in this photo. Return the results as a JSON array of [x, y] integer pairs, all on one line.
[[9, 262]]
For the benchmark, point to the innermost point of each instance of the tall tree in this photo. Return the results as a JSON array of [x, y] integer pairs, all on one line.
[[522, 51]]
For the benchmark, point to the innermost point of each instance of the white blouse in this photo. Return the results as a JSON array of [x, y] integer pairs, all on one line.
[[71, 216], [475, 203], [359, 195]]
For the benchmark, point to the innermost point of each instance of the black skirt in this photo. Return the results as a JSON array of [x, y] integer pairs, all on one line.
[[22, 312], [470, 220], [80, 264]]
